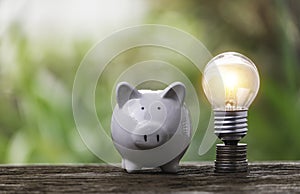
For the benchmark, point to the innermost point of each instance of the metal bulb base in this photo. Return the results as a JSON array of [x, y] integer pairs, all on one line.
[[231, 126], [231, 158]]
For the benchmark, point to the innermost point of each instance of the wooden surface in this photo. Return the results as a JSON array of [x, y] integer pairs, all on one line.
[[263, 177]]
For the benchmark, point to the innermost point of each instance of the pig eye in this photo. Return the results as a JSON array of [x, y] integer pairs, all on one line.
[[142, 108], [158, 108]]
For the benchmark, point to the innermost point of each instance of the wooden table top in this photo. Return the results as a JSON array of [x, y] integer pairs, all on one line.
[[264, 177]]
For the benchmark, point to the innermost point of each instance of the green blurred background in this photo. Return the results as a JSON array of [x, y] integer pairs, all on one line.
[[43, 42]]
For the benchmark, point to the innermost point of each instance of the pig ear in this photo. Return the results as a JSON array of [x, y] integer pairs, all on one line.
[[175, 91], [125, 92]]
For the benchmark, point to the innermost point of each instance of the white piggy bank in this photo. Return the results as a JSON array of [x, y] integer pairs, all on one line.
[[151, 128]]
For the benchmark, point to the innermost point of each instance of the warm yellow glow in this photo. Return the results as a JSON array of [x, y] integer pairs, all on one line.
[[230, 80]]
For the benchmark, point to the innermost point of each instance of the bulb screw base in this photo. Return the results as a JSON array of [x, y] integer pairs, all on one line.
[[231, 126], [231, 158]]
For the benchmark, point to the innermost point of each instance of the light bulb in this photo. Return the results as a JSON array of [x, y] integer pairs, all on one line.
[[230, 83]]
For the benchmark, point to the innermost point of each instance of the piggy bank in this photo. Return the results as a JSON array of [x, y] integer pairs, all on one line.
[[149, 128]]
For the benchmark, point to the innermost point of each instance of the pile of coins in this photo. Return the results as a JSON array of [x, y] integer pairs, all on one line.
[[231, 158]]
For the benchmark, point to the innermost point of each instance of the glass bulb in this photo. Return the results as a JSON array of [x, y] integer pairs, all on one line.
[[230, 82]]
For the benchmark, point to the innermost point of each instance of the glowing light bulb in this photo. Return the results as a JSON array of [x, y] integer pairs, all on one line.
[[230, 83]]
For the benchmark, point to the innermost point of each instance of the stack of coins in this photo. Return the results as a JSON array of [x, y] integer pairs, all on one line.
[[231, 158]]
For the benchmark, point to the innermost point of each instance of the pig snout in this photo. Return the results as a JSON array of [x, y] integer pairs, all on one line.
[[149, 136]]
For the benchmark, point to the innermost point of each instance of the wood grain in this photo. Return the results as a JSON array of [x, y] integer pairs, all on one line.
[[263, 177]]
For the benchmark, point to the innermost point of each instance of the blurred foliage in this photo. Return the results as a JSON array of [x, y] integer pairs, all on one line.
[[36, 120]]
